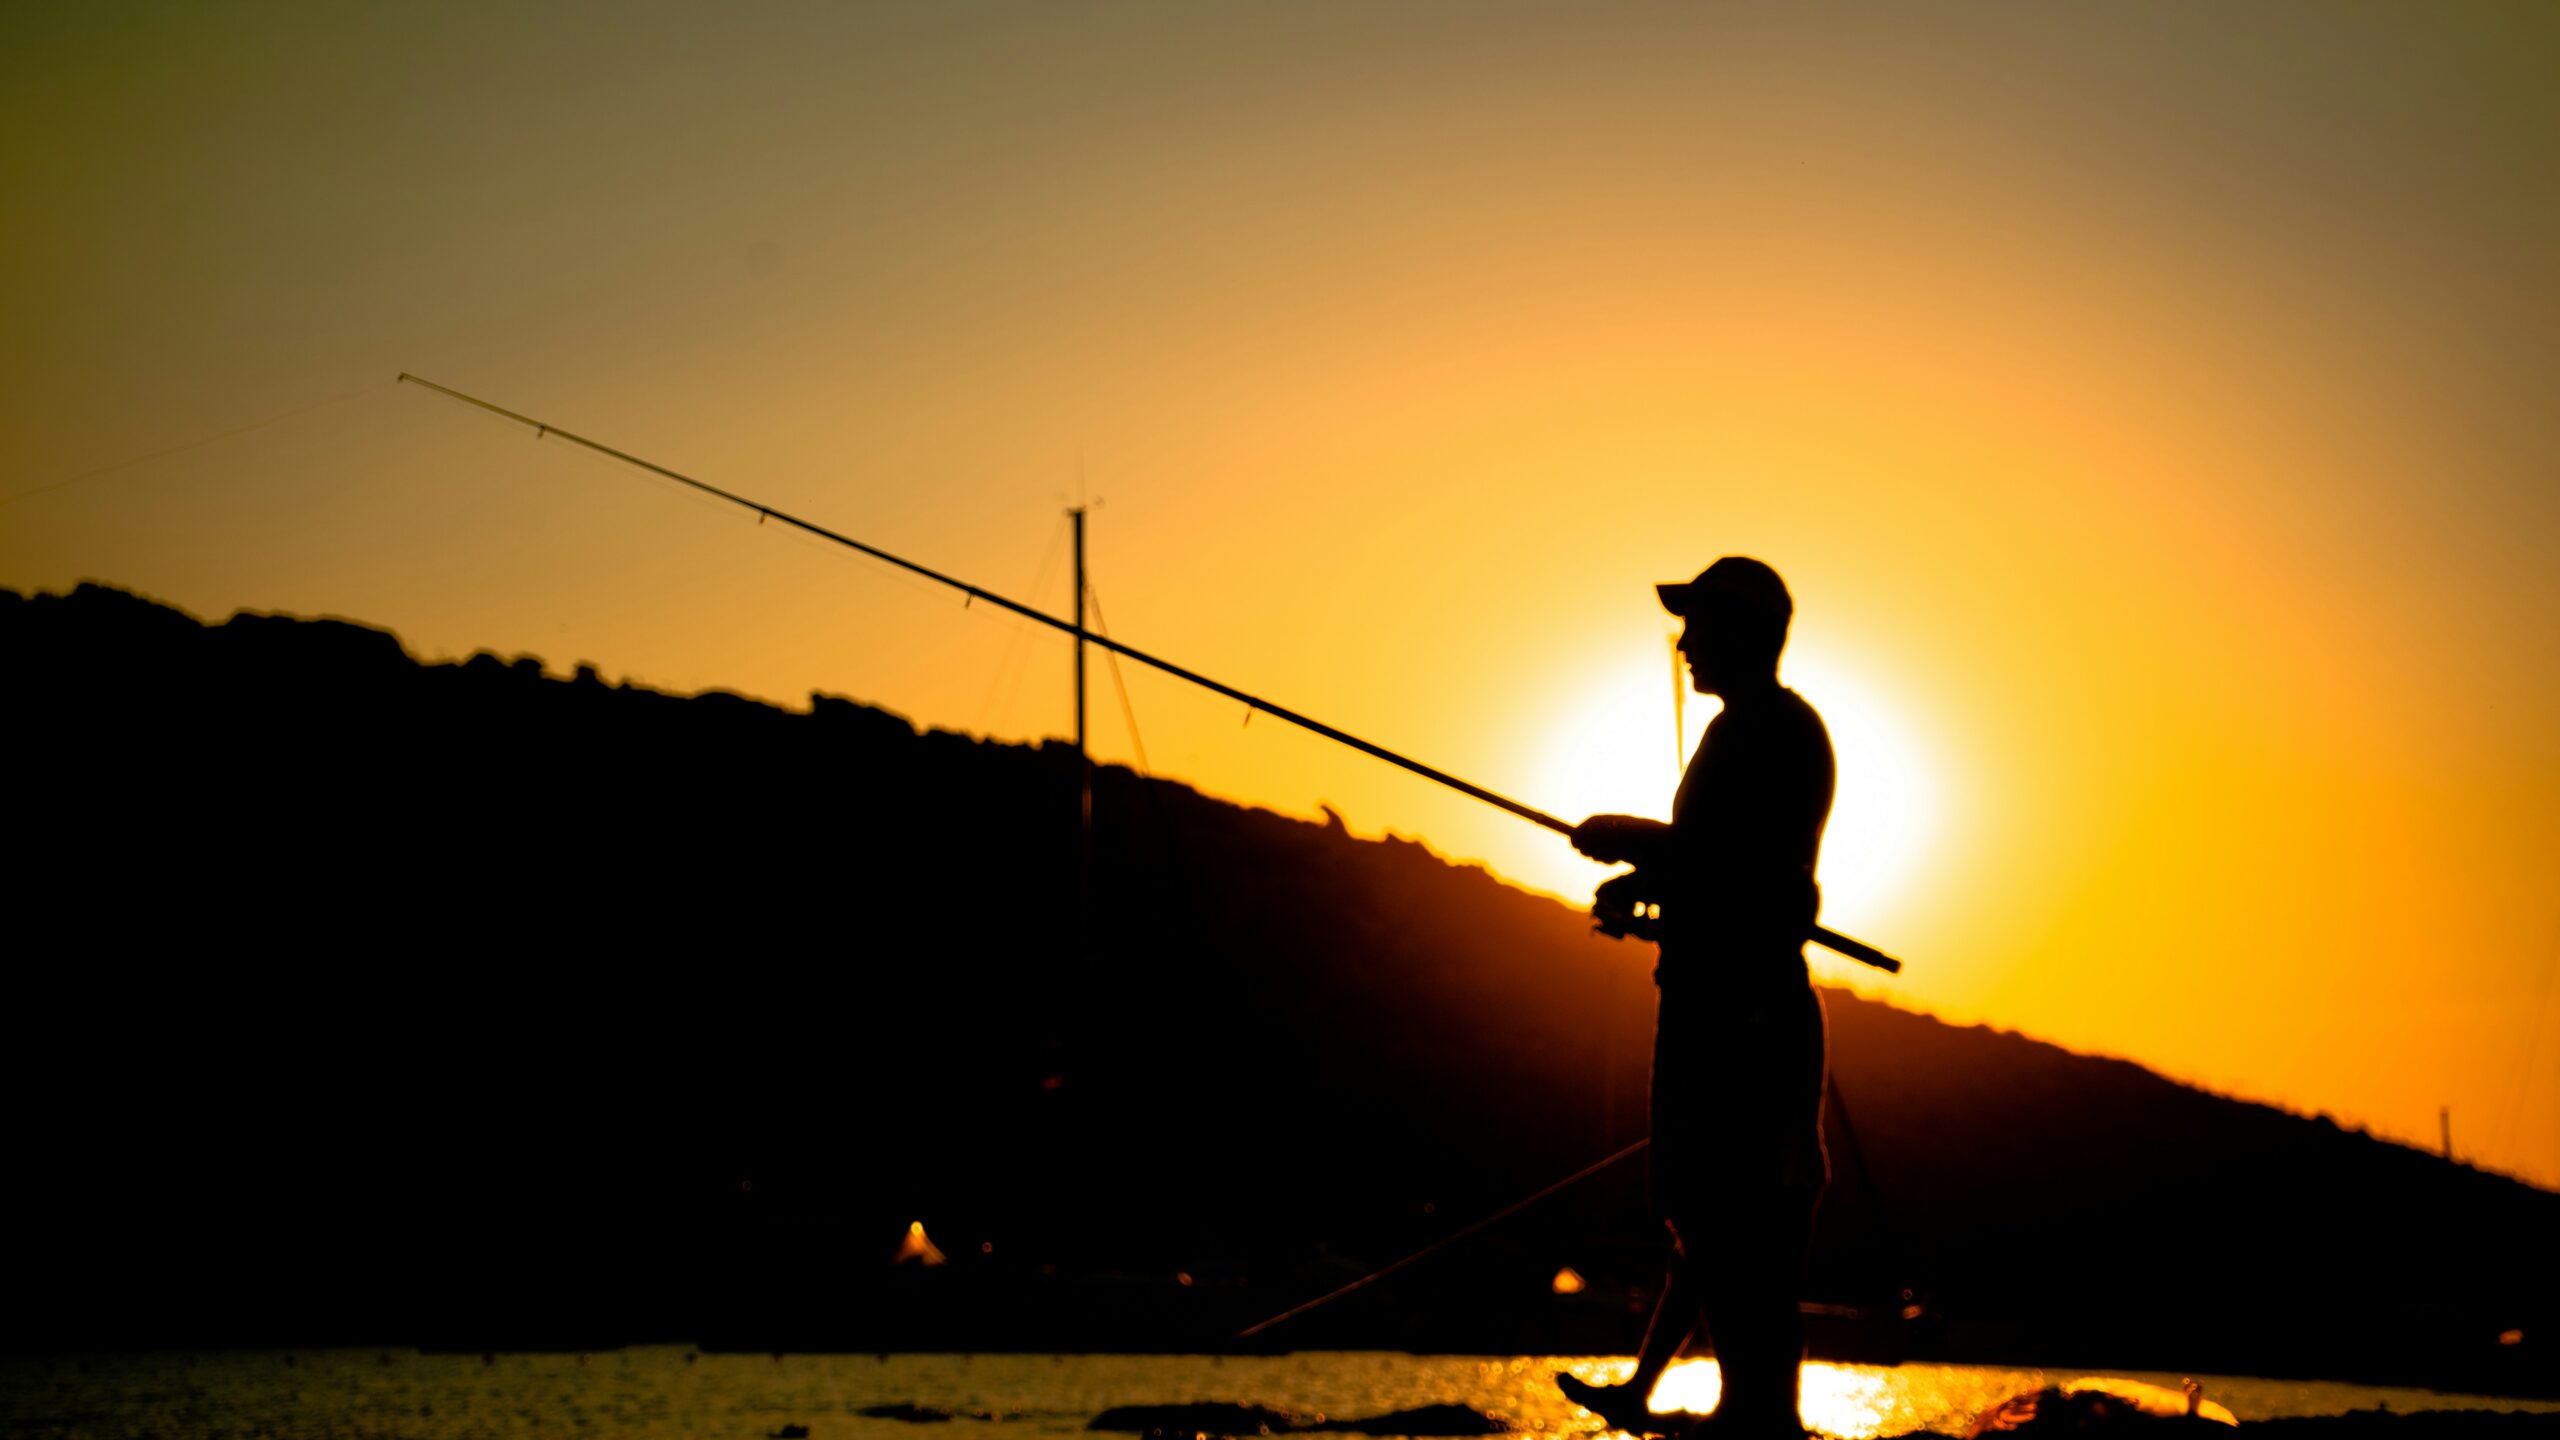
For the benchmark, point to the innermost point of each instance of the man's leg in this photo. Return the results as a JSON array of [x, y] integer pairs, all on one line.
[[1675, 1319], [1751, 1267], [1749, 1283], [1628, 1406]]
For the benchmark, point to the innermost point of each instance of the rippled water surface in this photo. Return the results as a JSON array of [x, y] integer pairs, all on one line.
[[661, 1394]]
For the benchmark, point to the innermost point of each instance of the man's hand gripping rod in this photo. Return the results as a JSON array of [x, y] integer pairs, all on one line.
[[1829, 940]]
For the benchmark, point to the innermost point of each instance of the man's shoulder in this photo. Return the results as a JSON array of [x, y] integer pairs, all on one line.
[[1782, 714], [1796, 712], [1786, 724], [1778, 728]]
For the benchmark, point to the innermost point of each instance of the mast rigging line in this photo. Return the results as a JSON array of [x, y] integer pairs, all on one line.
[[1128, 712], [1854, 949]]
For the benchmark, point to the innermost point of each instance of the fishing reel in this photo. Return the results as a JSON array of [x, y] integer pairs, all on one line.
[[1621, 908]]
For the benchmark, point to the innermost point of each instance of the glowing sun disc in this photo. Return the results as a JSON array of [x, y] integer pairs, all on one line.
[[1886, 808], [1615, 752]]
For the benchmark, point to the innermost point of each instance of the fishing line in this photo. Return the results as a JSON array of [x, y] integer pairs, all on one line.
[[197, 444], [1848, 1132], [1443, 1243]]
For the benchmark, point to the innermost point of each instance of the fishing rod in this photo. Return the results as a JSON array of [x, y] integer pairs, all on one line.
[[1829, 939]]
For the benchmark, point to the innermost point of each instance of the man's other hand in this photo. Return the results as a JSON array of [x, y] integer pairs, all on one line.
[[1615, 839]]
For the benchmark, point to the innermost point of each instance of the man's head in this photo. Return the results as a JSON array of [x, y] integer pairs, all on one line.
[[1737, 611]]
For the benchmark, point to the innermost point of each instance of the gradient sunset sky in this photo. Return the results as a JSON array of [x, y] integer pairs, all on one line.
[[2150, 405]]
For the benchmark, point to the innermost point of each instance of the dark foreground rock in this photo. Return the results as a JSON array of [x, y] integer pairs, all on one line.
[[1202, 1418], [2354, 1425], [914, 1414], [1427, 1420], [1180, 1422], [2415, 1425]]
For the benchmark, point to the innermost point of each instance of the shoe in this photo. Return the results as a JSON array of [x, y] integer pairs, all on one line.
[[1619, 1405]]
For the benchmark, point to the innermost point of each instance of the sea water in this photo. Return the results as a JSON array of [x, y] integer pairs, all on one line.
[[673, 1393]]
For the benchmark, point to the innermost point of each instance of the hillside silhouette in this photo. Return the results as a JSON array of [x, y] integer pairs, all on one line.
[[360, 1000]]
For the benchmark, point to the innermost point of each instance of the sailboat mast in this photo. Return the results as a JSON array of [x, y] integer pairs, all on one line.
[[1084, 757]]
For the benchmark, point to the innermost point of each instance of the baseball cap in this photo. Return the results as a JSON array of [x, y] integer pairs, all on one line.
[[1737, 581]]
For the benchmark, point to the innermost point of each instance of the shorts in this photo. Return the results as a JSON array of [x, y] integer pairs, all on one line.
[[1737, 1101]]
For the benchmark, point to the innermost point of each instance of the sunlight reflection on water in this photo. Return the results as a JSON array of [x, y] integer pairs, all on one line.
[[1863, 1402], [660, 1394], [1852, 1402]]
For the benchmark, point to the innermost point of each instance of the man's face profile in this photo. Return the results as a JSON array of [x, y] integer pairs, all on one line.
[[1697, 647], [1724, 648]]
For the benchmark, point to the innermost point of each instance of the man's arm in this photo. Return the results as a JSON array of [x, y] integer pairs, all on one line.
[[1622, 839]]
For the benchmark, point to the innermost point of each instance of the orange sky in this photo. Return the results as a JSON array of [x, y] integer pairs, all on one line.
[[2148, 405]]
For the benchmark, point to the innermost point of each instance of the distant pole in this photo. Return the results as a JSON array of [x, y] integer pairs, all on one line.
[[1679, 715], [2444, 1118], [1084, 757]]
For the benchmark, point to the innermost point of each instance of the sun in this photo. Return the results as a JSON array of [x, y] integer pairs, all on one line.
[[1884, 815], [1616, 750]]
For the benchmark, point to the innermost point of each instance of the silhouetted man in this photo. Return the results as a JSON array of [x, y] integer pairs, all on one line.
[[1737, 1156]]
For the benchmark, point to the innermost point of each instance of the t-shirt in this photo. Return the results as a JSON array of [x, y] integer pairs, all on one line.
[[1746, 830]]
